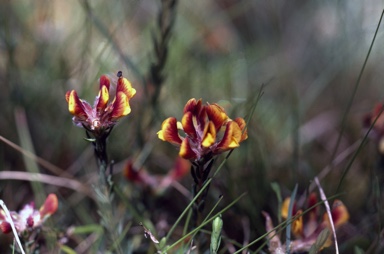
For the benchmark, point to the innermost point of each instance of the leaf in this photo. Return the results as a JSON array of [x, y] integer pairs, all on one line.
[[358, 250], [288, 229], [87, 229], [276, 188], [67, 249], [320, 241]]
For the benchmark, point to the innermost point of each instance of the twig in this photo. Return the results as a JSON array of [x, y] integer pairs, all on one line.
[[48, 179], [46, 164]]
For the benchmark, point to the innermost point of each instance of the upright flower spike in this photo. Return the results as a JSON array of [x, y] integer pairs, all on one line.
[[204, 132], [104, 114], [207, 131]]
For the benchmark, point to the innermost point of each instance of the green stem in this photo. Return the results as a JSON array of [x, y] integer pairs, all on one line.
[[201, 170], [104, 192]]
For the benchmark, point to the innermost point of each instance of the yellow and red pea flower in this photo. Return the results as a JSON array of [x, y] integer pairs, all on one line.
[[105, 112], [156, 182], [28, 217], [207, 129], [306, 228]]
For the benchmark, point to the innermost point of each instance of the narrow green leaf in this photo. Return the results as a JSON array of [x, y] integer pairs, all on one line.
[[87, 229], [67, 249], [288, 229], [276, 188], [358, 250]]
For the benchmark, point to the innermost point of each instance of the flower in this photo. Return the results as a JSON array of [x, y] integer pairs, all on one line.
[[307, 227], [104, 113], [207, 131], [28, 217], [156, 182], [377, 132]]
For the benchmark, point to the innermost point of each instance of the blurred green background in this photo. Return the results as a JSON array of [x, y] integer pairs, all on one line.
[[307, 54]]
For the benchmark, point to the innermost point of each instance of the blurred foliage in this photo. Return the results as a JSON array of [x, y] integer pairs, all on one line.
[[306, 53]]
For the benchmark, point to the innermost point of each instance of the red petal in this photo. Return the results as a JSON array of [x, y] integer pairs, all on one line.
[[50, 206], [123, 85], [180, 169], [131, 174], [5, 227], [217, 115], [169, 131], [104, 81], [188, 125], [312, 201], [193, 106], [75, 106], [186, 151], [67, 95], [30, 221], [340, 213], [120, 106]]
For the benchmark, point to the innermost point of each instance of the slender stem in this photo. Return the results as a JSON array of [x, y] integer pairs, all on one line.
[[200, 171], [104, 190]]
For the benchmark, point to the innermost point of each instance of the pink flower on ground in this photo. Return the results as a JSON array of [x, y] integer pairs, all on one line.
[[28, 217]]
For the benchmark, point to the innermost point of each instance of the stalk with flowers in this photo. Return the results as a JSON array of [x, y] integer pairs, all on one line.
[[98, 121], [207, 131]]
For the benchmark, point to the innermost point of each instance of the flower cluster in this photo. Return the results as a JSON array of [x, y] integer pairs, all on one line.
[[28, 218], [306, 227], [207, 131], [104, 113]]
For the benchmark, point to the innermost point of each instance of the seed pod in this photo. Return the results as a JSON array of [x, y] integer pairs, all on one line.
[[217, 225]]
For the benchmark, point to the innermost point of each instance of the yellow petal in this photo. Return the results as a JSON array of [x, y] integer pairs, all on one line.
[[169, 131], [242, 125], [284, 208], [209, 136], [120, 106], [75, 106], [231, 137], [123, 85], [103, 98], [297, 224]]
